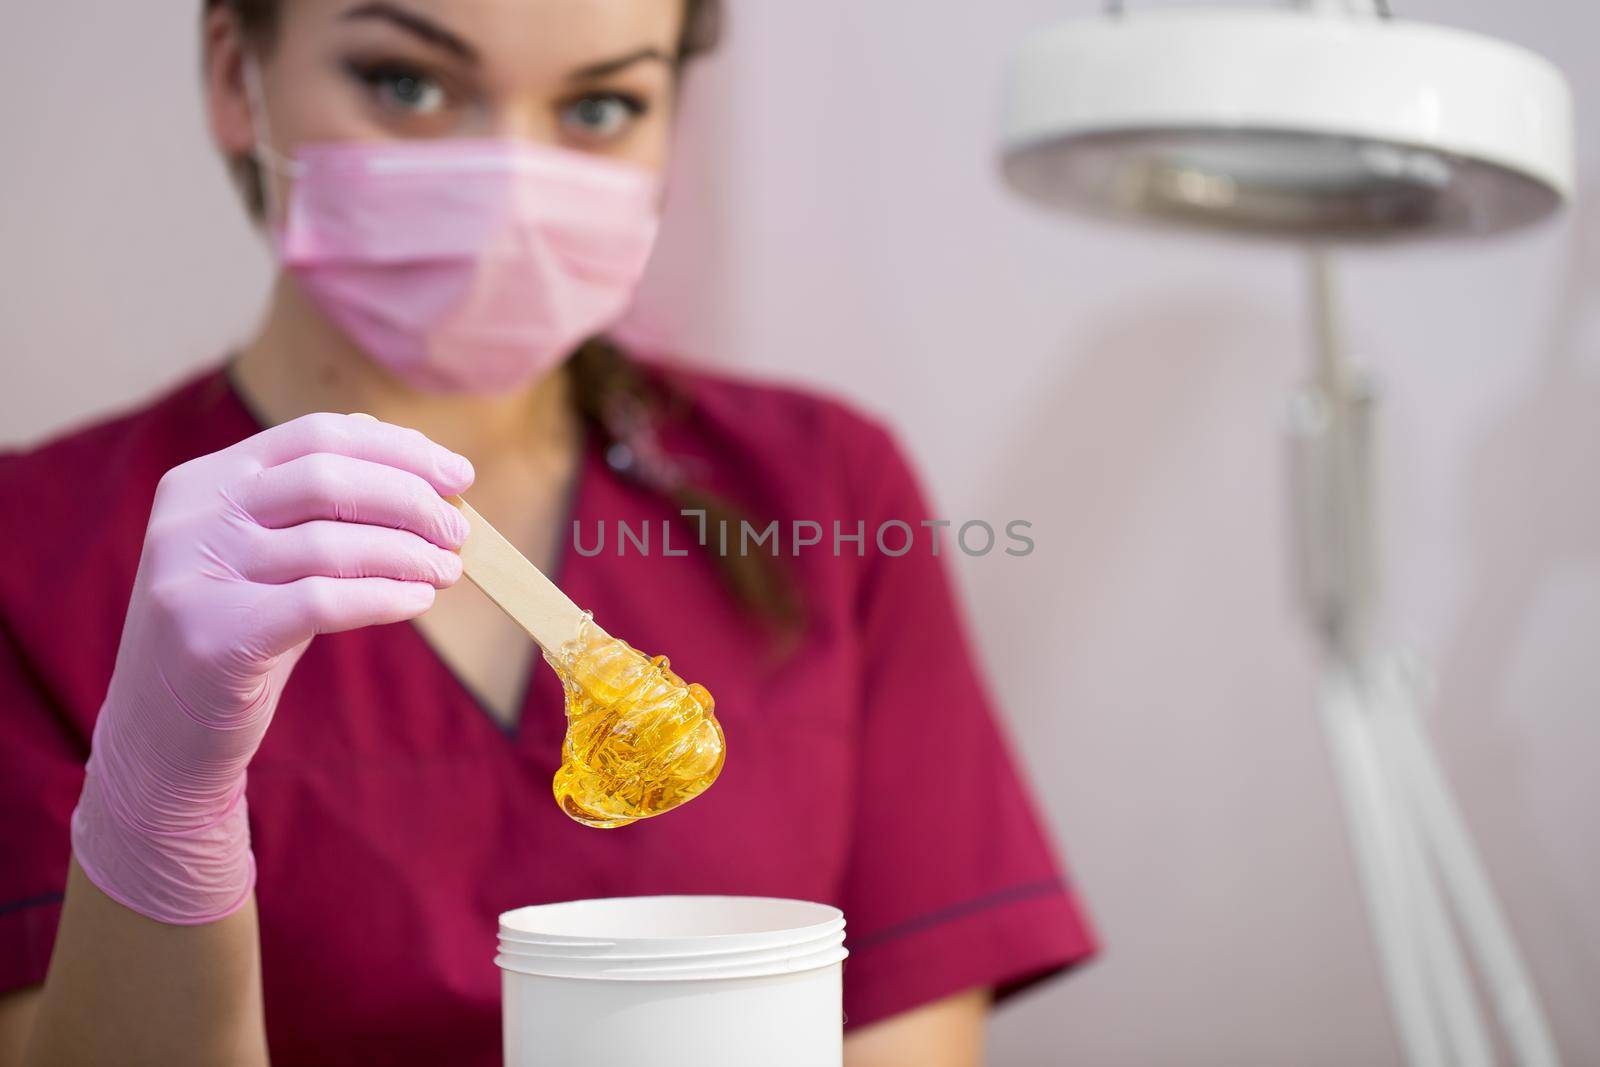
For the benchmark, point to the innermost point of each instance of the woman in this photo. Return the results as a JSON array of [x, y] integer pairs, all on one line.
[[462, 194]]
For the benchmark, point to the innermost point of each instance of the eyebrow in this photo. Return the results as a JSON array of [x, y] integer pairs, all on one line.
[[414, 23], [607, 67]]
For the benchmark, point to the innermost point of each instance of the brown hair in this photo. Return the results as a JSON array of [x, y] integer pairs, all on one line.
[[702, 30], [620, 403]]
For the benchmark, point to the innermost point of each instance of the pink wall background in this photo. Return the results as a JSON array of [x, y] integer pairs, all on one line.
[[836, 219]]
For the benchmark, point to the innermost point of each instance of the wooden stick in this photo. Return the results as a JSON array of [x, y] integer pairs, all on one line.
[[517, 587]]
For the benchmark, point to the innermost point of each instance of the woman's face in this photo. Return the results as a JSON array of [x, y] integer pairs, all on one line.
[[593, 75]]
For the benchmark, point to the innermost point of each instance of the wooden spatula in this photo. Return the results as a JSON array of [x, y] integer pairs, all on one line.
[[520, 589]]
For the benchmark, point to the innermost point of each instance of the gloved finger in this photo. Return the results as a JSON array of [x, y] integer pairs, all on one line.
[[347, 550], [324, 485], [363, 437], [292, 613]]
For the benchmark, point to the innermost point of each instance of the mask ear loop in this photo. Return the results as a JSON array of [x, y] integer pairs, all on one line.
[[266, 156]]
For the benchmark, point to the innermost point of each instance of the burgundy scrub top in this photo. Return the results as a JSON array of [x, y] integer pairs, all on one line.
[[393, 819]]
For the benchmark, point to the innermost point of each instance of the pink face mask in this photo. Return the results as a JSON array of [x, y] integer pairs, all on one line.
[[469, 266]]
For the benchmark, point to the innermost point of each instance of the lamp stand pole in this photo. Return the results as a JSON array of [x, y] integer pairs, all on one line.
[[1413, 850]]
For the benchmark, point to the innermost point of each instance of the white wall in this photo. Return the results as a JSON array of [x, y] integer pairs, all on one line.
[[837, 220]]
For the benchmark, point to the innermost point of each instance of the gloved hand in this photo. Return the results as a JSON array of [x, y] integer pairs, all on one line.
[[326, 523]]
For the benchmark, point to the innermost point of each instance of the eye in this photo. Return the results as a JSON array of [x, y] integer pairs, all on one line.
[[601, 116], [405, 89]]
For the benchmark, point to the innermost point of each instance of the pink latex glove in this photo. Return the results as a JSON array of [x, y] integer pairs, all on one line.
[[326, 523]]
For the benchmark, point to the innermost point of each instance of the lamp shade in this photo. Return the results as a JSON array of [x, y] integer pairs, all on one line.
[[1290, 122]]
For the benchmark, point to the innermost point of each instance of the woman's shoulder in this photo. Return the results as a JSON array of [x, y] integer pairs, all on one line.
[[789, 446], [178, 412], [73, 524], [773, 420], [96, 469]]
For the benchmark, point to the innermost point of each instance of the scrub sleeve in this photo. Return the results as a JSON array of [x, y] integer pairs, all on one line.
[[951, 883], [41, 774]]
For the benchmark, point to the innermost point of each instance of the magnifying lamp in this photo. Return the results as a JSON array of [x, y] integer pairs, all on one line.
[[1329, 124]]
